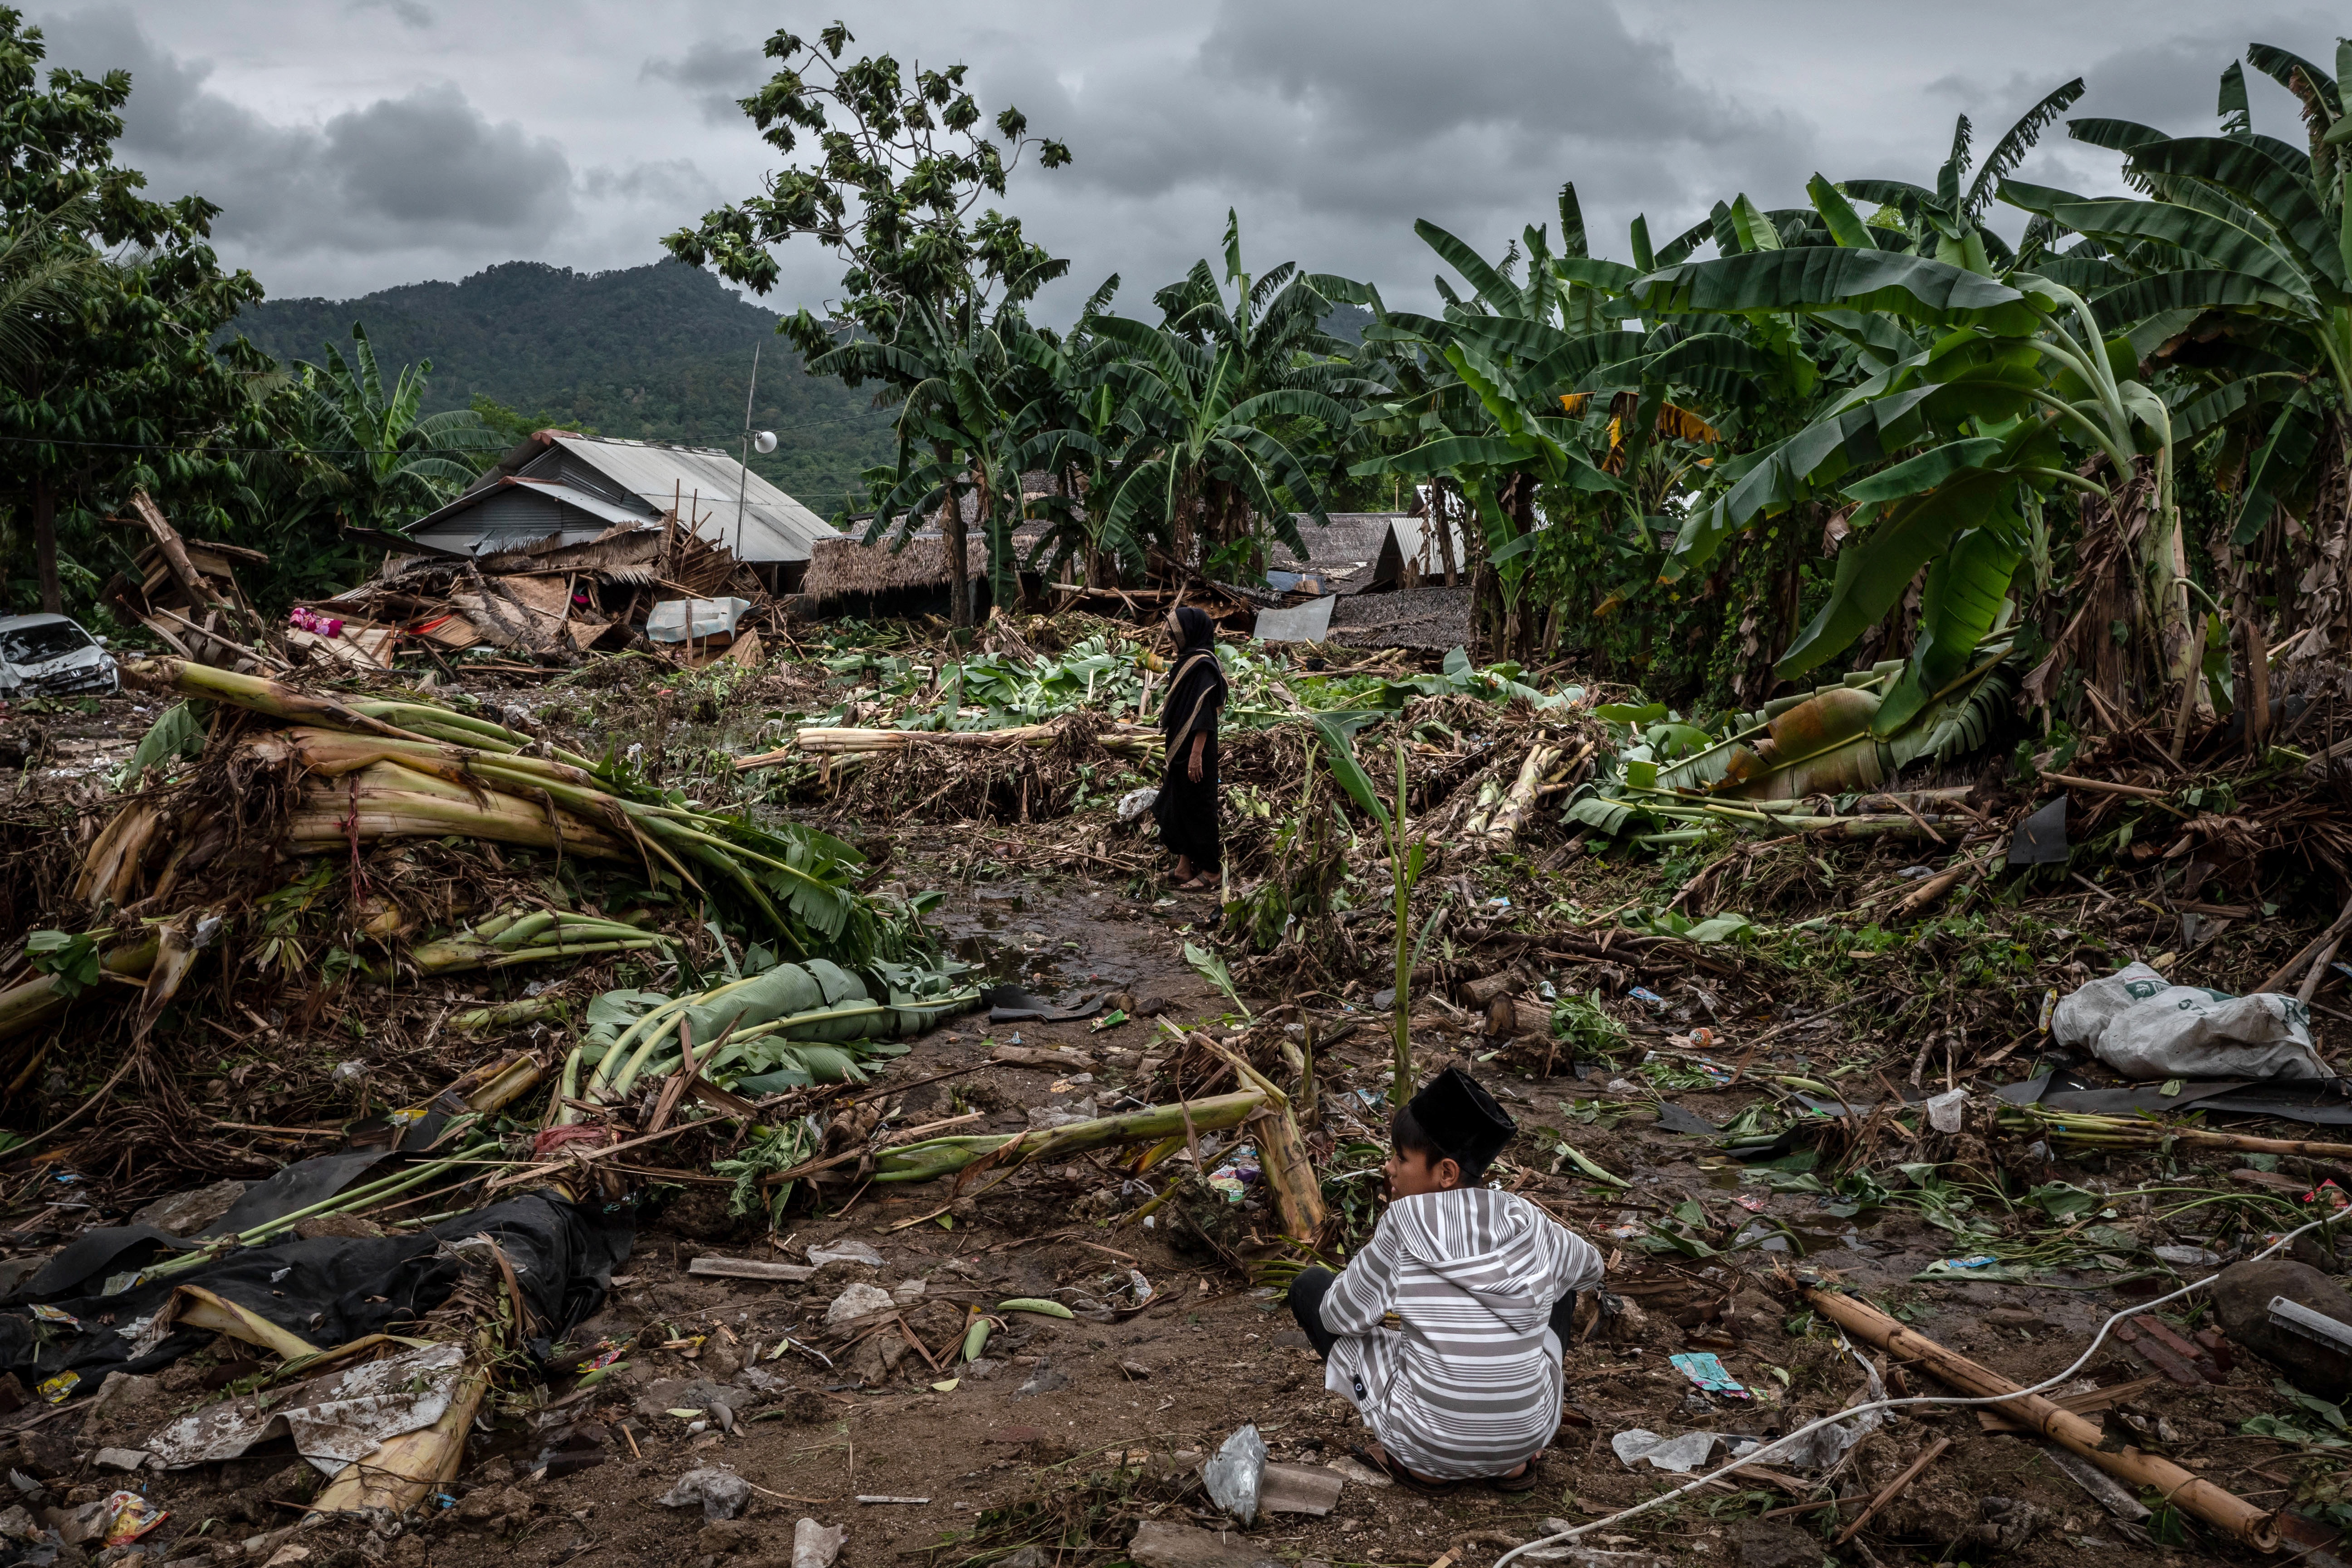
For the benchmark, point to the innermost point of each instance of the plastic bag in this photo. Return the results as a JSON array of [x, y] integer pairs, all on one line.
[[2144, 1027]]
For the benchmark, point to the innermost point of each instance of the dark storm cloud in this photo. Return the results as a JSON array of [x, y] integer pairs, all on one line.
[[580, 132], [714, 73], [425, 171]]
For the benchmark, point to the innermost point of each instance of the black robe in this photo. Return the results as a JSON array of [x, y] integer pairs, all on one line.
[[1187, 812]]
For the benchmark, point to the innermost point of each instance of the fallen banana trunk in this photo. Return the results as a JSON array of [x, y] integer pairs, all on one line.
[[817, 740], [937, 1157], [505, 941], [2085, 1129], [44, 998], [2222, 1508], [1512, 810]]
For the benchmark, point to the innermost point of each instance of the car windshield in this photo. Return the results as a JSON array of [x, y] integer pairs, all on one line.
[[33, 645]]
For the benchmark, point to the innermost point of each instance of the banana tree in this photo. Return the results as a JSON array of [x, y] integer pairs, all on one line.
[[1939, 453], [2235, 275]]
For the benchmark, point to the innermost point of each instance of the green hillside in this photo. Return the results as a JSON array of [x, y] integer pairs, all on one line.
[[660, 353]]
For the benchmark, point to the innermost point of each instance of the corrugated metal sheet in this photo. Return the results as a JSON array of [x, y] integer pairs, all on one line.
[[775, 526], [520, 512]]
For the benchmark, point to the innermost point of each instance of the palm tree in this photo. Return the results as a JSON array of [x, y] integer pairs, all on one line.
[[385, 466]]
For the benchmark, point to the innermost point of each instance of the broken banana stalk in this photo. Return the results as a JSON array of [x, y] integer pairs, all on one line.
[[937, 1157]]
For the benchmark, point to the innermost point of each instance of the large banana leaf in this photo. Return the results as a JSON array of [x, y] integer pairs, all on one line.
[[1873, 570], [1818, 455], [2224, 244], [1966, 586], [1915, 288], [2282, 470], [2189, 288], [2251, 175]]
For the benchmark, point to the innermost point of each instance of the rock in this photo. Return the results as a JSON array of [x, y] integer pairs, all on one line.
[[907, 1292], [983, 1369], [817, 1545], [1135, 1369], [1160, 1544], [2242, 1300], [727, 1536], [723, 1493], [1773, 1543], [1356, 1471], [490, 1507], [858, 1302], [1028, 1557], [120, 1459], [1045, 1380], [16, 1524], [121, 1392], [188, 1214]]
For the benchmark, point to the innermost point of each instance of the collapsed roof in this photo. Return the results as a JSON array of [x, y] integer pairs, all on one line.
[[578, 487]]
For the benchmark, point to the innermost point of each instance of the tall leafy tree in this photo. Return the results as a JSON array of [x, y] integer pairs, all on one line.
[[111, 380], [902, 162]]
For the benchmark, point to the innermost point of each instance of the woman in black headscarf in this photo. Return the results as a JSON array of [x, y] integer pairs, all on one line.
[[1187, 806]]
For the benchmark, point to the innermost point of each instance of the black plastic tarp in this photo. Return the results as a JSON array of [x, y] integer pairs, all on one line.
[[328, 1291]]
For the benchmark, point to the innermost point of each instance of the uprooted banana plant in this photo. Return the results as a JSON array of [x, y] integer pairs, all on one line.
[[790, 1025], [371, 770]]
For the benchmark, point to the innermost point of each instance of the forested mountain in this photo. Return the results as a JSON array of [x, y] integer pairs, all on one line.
[[661, 352]]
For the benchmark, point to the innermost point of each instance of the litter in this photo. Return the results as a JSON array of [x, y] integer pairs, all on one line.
[[720, 1494], [332, 1421], [2144, 1027], [1234, 1475], [1681, 1455], [1704, 1369], [817, 1545]]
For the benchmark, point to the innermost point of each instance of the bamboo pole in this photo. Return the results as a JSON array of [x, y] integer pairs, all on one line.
[[2192, 1494], [2116, 1132]]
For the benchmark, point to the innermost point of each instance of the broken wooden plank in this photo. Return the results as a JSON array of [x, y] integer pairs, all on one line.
[[749, 1268], [2088, 1402]]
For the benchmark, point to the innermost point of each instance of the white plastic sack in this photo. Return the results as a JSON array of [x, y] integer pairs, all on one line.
[[675, 620], [2144, 1027]]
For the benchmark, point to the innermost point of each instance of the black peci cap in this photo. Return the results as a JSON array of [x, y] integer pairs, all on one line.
[[1461, 1118]]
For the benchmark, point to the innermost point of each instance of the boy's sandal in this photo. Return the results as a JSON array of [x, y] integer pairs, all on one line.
[[1378, 1458], [1530, 1478]]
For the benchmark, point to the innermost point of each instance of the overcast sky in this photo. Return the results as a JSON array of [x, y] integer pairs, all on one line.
[[358, 143]]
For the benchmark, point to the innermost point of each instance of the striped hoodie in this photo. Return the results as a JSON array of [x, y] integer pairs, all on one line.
[[1471, 1384]]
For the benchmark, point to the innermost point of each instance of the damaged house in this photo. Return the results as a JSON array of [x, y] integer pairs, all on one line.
[[567, 544], [575, 488]]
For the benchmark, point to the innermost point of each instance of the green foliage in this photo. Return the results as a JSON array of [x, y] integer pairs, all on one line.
[[71, 958]]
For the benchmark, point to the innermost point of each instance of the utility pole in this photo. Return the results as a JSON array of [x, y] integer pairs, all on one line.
[[743, 482]]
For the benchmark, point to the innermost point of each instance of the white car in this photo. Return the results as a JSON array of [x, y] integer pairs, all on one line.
[[51, 655]]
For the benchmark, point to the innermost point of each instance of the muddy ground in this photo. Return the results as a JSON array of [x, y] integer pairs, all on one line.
[[1062, 1438]]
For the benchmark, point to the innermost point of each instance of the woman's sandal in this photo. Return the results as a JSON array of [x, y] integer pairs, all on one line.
[[1530, 1478], [1378, 1458]]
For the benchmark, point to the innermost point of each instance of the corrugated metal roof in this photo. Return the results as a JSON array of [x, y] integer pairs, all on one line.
[[775, 526]]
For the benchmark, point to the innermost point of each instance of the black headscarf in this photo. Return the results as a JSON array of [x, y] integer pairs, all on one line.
[[1199, 688]]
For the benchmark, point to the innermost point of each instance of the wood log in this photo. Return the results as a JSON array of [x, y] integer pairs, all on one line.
[[2217, 1506], [1478, 993], [1055, 1060], [175, 555]]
